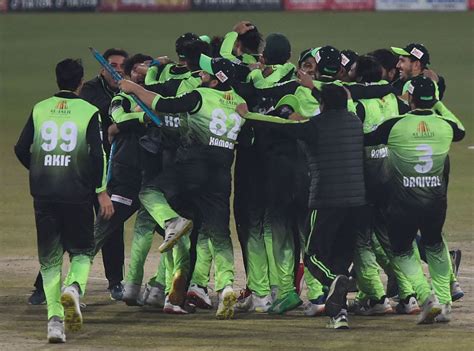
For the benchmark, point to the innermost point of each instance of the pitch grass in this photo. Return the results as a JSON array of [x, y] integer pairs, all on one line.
[[31, 45]]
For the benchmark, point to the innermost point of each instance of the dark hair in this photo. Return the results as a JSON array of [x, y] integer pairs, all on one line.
[[69, 73], [333, 97], [216, 43], [192, 52], [385, 57], [251, 40], [115, 52], [182, 41], [368, 69], [133, 60]]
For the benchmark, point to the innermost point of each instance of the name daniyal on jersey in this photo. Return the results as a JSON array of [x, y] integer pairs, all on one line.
[[422, 182]]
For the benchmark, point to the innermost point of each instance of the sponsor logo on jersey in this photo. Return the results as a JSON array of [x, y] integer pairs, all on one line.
[[422, 182], [221, 143], [379, 153], [228, 98], [423, 131], [61, 108]]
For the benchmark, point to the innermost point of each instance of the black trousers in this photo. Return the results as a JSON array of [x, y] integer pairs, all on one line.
[[332, 240], [63, 227], [404, 221]]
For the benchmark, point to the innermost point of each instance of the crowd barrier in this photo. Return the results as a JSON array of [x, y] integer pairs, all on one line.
[[232, 5]]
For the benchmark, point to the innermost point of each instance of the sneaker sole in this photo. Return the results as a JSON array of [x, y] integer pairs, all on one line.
[[229, 302], [195, 299], [169, 245], [72, 316], [337, 295], [173, 311], [178, 289], [430, 316], [457, 296], [56, 340]]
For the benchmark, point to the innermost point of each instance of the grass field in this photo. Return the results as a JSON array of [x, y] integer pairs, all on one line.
[[31, 45]]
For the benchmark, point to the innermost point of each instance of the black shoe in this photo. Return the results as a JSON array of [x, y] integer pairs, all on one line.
[[37, 297], [392, 285], [455, 260], [116, 292], [341, 321], [336, 299]]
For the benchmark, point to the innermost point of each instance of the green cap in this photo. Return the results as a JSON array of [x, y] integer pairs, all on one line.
[[290, 100], [205, 38]]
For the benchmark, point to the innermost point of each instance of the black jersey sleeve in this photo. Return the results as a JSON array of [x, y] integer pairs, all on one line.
[[96, 152], [22, 147]]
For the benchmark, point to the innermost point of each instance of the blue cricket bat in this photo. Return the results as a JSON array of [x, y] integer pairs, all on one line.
[[117, 77]]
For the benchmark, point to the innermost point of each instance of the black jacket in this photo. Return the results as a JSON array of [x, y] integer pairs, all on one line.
[[334, 143], [97, 92]]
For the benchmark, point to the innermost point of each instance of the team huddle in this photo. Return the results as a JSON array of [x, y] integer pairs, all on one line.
[[339, 162]]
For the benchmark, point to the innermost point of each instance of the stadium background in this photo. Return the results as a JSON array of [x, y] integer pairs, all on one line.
[[32, 43]]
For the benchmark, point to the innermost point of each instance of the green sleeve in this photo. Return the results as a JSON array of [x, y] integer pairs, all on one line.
[[441, 109], [151, 75], [228, 46], [118, 113], [271, 119]]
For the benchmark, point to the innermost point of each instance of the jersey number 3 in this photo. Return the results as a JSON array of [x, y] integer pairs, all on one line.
[[427, 164]]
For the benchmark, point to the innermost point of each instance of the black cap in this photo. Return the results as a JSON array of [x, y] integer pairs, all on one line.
[[348, 58], [182, 41], [219, 67], [415, 51], [328, 60], [422, 88], [277, 49]]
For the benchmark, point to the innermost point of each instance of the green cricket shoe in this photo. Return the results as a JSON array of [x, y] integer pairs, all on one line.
[[285, 304]]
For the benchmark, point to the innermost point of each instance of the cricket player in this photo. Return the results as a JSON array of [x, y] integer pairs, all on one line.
[[419, 142], [199, 185], [67, 171], [337, 191]]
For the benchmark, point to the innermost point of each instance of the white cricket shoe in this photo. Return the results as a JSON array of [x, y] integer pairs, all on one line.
[[445, 315], [56, 333], [315, 307], [173, 309], [72, 309], [371, 307], [227, 301], [154, 296], [199, 297], [429, 310], [244, 304], [408, 305], [131, 293], [174, 229], [261, 304]]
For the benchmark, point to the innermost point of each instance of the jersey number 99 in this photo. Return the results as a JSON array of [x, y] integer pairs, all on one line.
[[51, 134]]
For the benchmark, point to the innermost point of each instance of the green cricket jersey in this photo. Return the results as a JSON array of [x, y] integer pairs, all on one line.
[[418, 144], [67, 159], [161, 73]]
